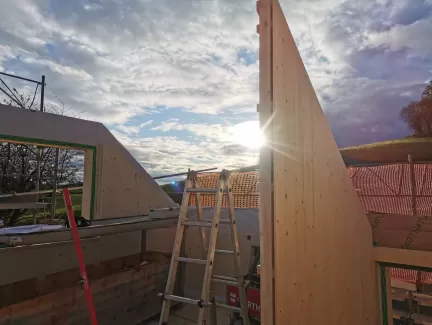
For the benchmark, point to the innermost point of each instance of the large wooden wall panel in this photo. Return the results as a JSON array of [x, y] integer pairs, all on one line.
[[127, 189], [24, 123], [123, 187], [324, 273]]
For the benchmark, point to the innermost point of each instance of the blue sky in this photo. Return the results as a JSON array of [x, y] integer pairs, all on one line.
[[173, 78]]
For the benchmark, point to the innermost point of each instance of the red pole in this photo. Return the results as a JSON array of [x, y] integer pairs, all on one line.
[[80, 255]]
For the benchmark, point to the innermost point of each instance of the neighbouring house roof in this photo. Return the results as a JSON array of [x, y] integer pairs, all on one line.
[[244, 188], [388, 188], [384, 188]]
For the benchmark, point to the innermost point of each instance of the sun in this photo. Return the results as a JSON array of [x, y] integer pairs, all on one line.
[[248, 134]]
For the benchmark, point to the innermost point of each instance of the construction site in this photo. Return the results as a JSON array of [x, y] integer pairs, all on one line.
[[309, 236]]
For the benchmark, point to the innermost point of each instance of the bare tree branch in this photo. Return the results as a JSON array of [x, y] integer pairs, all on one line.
[[12, 93], [18, 162]]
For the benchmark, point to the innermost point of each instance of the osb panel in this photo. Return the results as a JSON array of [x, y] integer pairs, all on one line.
[[322, 238], [244, 186]]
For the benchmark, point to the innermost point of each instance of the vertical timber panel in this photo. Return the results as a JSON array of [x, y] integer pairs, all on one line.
[[126, 188], [324, 273], [99, 183], [87, 183], [266, 163], [385, 290]]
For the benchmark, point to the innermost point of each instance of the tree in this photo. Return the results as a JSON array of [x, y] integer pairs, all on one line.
[[418, 115], [18, 162]]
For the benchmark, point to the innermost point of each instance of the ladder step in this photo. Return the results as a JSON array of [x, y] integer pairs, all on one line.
[[183, 300], [228, 307], [198, 224], [223, 251], [224, 280], [191, 260], [228, 278], [202, 190], [199, 303], [221, 221]]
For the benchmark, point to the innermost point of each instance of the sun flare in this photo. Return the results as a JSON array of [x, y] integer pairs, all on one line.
[[248, 134]]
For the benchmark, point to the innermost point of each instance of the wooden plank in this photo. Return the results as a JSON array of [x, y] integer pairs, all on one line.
[[402, 256], [87, 184], [264, 8], [24, 205], [321, 237]]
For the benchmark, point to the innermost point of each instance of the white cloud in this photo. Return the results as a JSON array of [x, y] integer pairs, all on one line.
[[121, 59], [116, 61], [92, 7], [411, 36], [211, 131], [147, 123], [166, 155], [246, 133], [128, 130]]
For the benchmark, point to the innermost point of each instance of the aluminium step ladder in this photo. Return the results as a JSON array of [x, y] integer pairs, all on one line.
[[224, 186]]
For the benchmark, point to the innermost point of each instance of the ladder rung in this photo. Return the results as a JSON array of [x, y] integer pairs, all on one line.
[[227, 278], [182, 299], [224, 280], [221, 221], [232, 308], [191, 260], [202, 190], [223, 251], [198, 224]]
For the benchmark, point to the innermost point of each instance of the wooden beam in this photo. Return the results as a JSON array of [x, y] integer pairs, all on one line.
[[264, 9], [30, 205], [402, 256]]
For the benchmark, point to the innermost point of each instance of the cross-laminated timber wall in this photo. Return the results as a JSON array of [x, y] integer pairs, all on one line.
[[315, 236], [115, 184]]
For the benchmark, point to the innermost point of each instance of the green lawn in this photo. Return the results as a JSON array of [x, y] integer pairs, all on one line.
[[76, 198]]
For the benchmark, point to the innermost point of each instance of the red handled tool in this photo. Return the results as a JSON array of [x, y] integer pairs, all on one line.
[[80, 255]]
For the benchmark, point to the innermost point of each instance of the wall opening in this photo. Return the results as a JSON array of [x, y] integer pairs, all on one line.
[[26, 198], [406, 293]]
